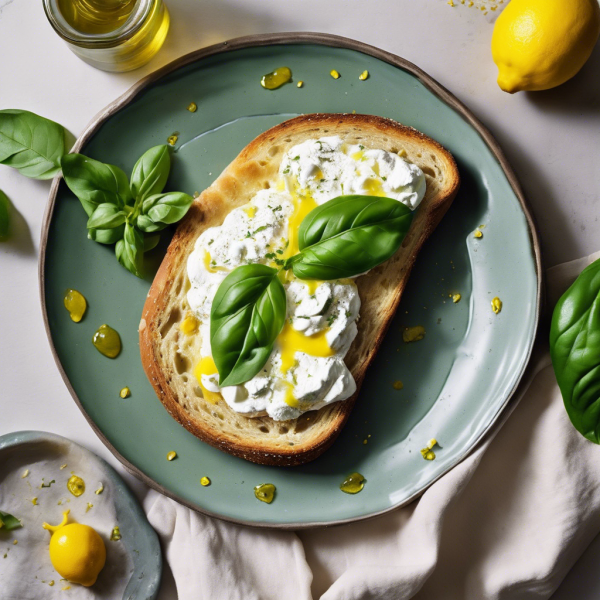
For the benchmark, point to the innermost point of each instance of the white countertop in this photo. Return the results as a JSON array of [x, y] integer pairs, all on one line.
[[551, 139]]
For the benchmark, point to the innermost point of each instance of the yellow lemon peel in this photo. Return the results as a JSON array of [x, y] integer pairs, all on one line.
[[540, 44]]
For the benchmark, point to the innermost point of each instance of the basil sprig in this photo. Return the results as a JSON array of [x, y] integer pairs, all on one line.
[[31, 144], [575, 351], [247, 315], [341, 238], [128, 213], [349, 235], [8, 522], [122, 212], [4, 215]]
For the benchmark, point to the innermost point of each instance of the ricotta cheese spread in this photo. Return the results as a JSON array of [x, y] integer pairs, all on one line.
[[306, 369]]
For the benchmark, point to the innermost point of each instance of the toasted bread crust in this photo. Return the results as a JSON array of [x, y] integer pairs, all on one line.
[[257, 163]]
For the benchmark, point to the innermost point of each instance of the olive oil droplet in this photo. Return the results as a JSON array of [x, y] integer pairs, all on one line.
[[76, 485], [265, 492], [76, 304], [107, 341], [413, 334], [496, 305], [427, 452], [274, 80], [353, 484]]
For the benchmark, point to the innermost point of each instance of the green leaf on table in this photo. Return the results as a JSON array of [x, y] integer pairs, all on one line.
[[8, 522], [247, 315], [94, 182], [4, 215], [167, 208], [106, 216], [130, 250], [349, 235], [31, 144], [151, 172], [575, 351]]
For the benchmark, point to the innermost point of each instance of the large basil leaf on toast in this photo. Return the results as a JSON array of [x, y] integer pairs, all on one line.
[[247, 315], [348, 236], [575, 351]]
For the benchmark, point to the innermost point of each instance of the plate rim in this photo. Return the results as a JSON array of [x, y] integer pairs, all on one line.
[[334, 41]]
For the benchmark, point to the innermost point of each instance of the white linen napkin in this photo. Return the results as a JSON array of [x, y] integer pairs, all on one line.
[[507, 522]]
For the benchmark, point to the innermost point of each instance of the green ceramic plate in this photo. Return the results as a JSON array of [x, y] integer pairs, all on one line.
[[456, 381]]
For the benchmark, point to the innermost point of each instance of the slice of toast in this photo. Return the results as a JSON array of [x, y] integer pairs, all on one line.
[[169, 356]]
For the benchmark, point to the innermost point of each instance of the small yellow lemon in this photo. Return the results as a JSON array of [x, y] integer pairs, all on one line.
[[77, 551], [539, 44]]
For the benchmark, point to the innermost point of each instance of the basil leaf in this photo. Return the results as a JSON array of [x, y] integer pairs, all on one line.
[[130, 250], [106, 236], [150, 172], [247, 315], [94, 182], [575, 351], [8, 522], [148, 225], [167, 208], [348, 236], [106, 216], [4, 215], [151, 241], [31, 144]]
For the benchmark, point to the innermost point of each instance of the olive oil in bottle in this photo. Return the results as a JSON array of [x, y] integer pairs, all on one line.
[[96, 16], [113, 35]]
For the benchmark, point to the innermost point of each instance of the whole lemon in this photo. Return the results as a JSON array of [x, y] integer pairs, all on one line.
[[539, 44], [77, 551]]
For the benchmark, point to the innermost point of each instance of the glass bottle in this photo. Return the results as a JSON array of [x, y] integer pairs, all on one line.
[[112, 35]]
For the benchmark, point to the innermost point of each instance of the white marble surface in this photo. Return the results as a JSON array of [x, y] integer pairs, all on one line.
[[551, 138]]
